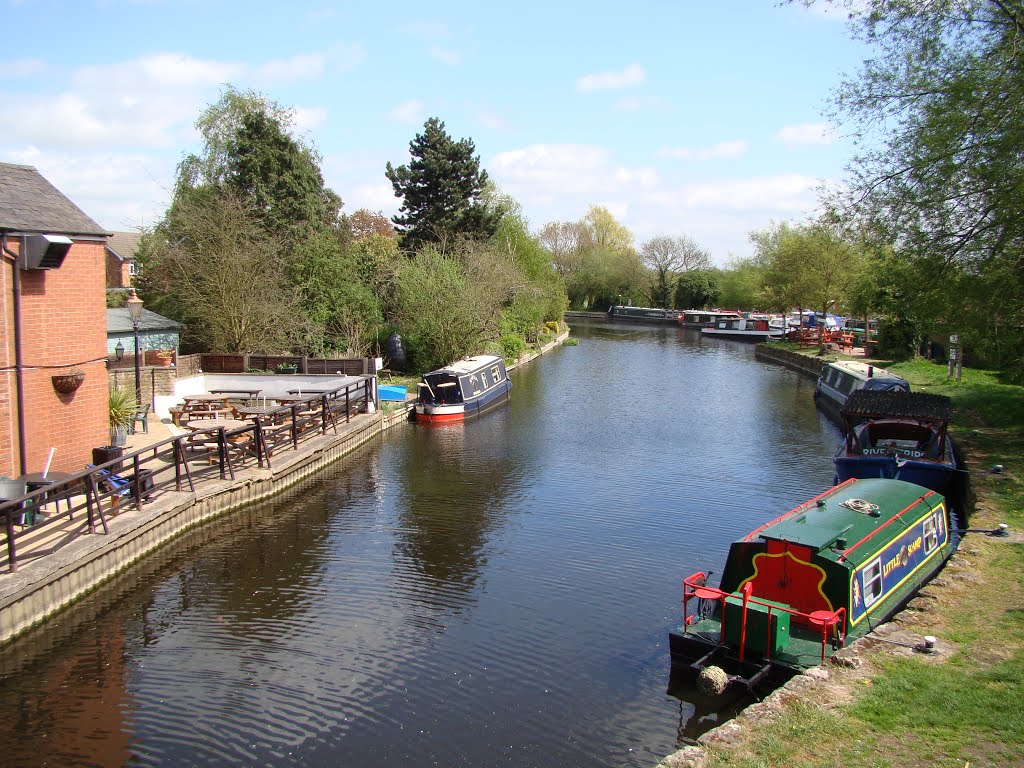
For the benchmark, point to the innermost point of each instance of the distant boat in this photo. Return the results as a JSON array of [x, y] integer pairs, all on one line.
[[901, 435], [643, 314], [463, 389], [706, 318], [743, 329], [803, 585]]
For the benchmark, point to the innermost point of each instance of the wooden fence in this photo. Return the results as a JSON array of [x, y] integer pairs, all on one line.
[[241, 363]]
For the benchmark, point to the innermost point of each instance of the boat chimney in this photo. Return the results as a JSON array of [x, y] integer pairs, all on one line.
[[841, 544], [871, 371]]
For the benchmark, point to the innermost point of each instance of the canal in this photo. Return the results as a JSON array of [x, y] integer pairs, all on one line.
[[488, 594]]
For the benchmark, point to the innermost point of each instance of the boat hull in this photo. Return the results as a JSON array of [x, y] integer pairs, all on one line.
[[453, 413], [754, 336]]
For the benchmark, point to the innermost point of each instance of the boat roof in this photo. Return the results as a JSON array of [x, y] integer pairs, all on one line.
[[864, 370], [919, 406], [855, 511], [467, 365]]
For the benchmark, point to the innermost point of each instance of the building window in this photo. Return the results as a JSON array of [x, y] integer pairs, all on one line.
[[134, 268], [872, 576]]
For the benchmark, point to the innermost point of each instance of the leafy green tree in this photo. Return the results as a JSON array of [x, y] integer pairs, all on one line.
[[440, 190], [697, 289], [940, 175], [279, 177], [741, 284]]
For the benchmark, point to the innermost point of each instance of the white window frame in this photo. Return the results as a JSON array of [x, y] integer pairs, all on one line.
[[870, 576], [930, 532]]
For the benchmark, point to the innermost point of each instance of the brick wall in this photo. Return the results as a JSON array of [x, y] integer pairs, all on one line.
[[63, 324]]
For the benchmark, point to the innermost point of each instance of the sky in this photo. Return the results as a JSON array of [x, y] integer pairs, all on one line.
[[696, 118]]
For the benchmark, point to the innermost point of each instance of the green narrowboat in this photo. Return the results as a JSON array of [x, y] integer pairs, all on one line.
[[807, 583]]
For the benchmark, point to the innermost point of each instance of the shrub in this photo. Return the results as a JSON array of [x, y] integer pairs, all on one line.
[[512, 346]]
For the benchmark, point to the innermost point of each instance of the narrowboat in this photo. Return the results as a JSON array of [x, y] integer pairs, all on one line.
[[839, 379], [463, 389], [901, 435], [643, 314], [744, 329], [804, 585], [706, 318]]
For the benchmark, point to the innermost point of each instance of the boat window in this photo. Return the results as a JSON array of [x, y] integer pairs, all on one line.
[[483, 379], [931, 533], [496, 374], [872, 577]]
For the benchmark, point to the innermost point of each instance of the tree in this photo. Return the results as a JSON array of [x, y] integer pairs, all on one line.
[[941, 174], [279, 177], [440, 190], [697, 289], [741, 284], [667, 257], [365, 223], [224, 276]]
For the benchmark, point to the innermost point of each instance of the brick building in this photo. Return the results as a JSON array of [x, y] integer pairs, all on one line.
[[121, 265], [53, 316]]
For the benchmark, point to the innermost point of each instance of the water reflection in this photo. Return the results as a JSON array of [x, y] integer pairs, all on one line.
[[497, 592]]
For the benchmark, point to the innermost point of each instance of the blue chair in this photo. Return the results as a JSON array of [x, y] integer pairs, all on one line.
[[118, 487]]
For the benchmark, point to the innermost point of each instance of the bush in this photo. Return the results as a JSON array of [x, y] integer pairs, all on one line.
[[512, 346], [552, 326], [571, 342]]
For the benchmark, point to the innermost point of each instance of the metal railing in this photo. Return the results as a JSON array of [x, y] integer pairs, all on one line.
[[176, 463]]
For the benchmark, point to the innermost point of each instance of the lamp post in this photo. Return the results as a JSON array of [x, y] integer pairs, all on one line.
[[134, 304], [119, 351]]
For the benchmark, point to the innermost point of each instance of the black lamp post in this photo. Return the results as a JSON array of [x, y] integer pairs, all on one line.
[[135, 312]]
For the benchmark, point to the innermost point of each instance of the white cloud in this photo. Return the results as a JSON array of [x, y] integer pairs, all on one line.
[[785, 193], [632, 75], [409, 112], [806, 134], [308, 119], [118, 190], [724, 149], [448, 56]]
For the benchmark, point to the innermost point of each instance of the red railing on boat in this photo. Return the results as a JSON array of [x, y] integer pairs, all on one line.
[[695, 586]]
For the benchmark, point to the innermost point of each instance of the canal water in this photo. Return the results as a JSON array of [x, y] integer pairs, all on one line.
[[497, 593]]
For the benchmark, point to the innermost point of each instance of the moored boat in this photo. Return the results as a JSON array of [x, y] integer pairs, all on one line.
[[743, 329], [463, 389], [839, 379], [643, 314], [901, 435], [706, 318], [807, 583]]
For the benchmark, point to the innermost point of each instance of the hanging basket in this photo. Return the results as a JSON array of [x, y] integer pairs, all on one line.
[[66, 383]]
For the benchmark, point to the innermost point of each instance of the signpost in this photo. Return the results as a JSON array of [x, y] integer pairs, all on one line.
[[955, 358]]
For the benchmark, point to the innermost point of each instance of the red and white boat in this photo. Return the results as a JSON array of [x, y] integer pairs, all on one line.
[[463, 389]]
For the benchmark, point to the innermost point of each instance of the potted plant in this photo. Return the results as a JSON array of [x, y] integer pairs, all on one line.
[[122, 409], [165, 357], [287, 368]]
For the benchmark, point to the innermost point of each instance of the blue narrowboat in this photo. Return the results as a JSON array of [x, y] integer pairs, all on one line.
[[805, 584], [463, 389], [843, 377], [900, 435]]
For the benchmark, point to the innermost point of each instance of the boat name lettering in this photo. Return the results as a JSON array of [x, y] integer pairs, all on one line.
[[902, 557]]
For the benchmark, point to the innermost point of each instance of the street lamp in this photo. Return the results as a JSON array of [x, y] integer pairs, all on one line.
[[134, 304], [119, 351]]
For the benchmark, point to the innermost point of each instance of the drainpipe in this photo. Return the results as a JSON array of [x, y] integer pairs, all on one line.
[[19, 382]]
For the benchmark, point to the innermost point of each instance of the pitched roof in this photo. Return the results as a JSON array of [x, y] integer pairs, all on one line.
[[31, 204], [119, 321], [124, 245]]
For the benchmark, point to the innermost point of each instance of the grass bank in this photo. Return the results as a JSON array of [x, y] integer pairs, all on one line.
[[900, 708]]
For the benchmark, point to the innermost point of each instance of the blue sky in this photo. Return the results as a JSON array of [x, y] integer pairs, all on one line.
[[696, 118]]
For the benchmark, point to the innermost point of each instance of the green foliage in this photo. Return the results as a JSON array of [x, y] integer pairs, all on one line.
[[741, 285], [697, 289], [279, 177], [440, 190], [512, 345], [571, 341], [945, 180], [121, 407], [667, 257]]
